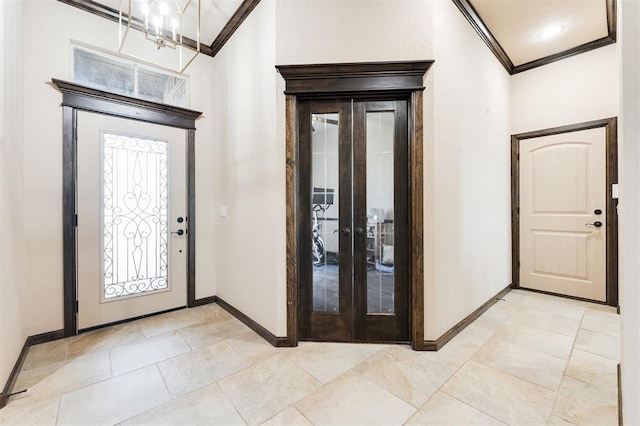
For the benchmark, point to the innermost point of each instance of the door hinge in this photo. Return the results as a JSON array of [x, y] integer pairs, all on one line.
[[75, 220], [77, 306]]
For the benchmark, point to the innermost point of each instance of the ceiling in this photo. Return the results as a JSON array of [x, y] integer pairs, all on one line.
[[510, 28], [513, 28], [219, 18]]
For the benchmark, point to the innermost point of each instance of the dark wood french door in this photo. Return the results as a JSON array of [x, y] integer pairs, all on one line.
[[352, 212]]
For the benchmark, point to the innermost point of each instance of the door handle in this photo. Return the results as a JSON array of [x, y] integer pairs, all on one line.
[[597, 224], [360, 230], [179, 232], [346, 231]]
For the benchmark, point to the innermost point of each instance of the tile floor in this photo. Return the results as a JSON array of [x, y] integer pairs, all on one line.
[[531, 359]]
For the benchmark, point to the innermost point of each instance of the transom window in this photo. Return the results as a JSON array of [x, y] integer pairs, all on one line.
[[117, 75]]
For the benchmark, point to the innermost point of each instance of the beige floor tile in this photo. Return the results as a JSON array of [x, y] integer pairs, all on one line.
[[594, 369], [212, 313], [527, 364], [199, 368], [206, 406], [444, 410], [60, 378], [453, 354], [265, 389], [548, 320], [253, 348], [175, 320], [548, 342], [582, 403], [477, 333], [27, 411], [46, 353], [201, 335], [406, 374], [352, 399], [558, 421], [497, 394], [114, 400], [326, 361], [147, 351], [601, 322], [104, 338], [556, 305], [598, 343], [494, 318], [288, 417]]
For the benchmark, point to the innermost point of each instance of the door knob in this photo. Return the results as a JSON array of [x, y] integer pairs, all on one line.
[[597, 224], [346, 231], [179, 232], [360, 230]]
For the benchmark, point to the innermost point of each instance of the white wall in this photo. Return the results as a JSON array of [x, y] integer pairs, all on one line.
[[467, 172], [47, 29], [249, 173], [573, 90], [469, 80], [629, 144], [12, 249]]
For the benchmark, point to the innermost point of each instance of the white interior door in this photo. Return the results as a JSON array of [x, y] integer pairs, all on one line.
[[131, 206], [563, 214]]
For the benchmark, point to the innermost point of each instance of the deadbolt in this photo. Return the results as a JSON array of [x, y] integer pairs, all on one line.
[[180, 219], [597, 211]]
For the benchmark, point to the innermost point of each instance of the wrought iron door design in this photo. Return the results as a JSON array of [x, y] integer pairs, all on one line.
[[131, 232], [135, 214]]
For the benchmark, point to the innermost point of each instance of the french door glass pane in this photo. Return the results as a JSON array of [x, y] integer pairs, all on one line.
[[324, 208], [135, 211], [380, 226]]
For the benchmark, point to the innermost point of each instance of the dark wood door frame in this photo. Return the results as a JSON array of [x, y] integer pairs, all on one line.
[[358, 80], [80, 98], [611, 159]]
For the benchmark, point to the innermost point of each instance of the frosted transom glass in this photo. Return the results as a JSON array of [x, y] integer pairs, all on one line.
[[135, 213]]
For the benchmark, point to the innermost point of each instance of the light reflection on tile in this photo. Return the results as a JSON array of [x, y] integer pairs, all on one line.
[[114, 400], [206, 406], [267, 388], [491, 391], [523, 363], [221, 372], [406, 374], [445, 410], [352, 399]]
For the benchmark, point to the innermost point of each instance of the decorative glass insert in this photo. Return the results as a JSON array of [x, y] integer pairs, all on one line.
[[116, 75], [135, 215]]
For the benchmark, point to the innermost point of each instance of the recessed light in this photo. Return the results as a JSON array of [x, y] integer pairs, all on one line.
[[550, 32]]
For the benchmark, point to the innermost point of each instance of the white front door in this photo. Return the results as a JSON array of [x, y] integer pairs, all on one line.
[[563, 214], [131, 209]]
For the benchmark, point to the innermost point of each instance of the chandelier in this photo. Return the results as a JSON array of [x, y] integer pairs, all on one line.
[[173, 26]]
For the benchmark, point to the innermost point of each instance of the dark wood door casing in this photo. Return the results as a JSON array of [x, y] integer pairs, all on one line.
[[611, 159], [363, 80], [81, 98]]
